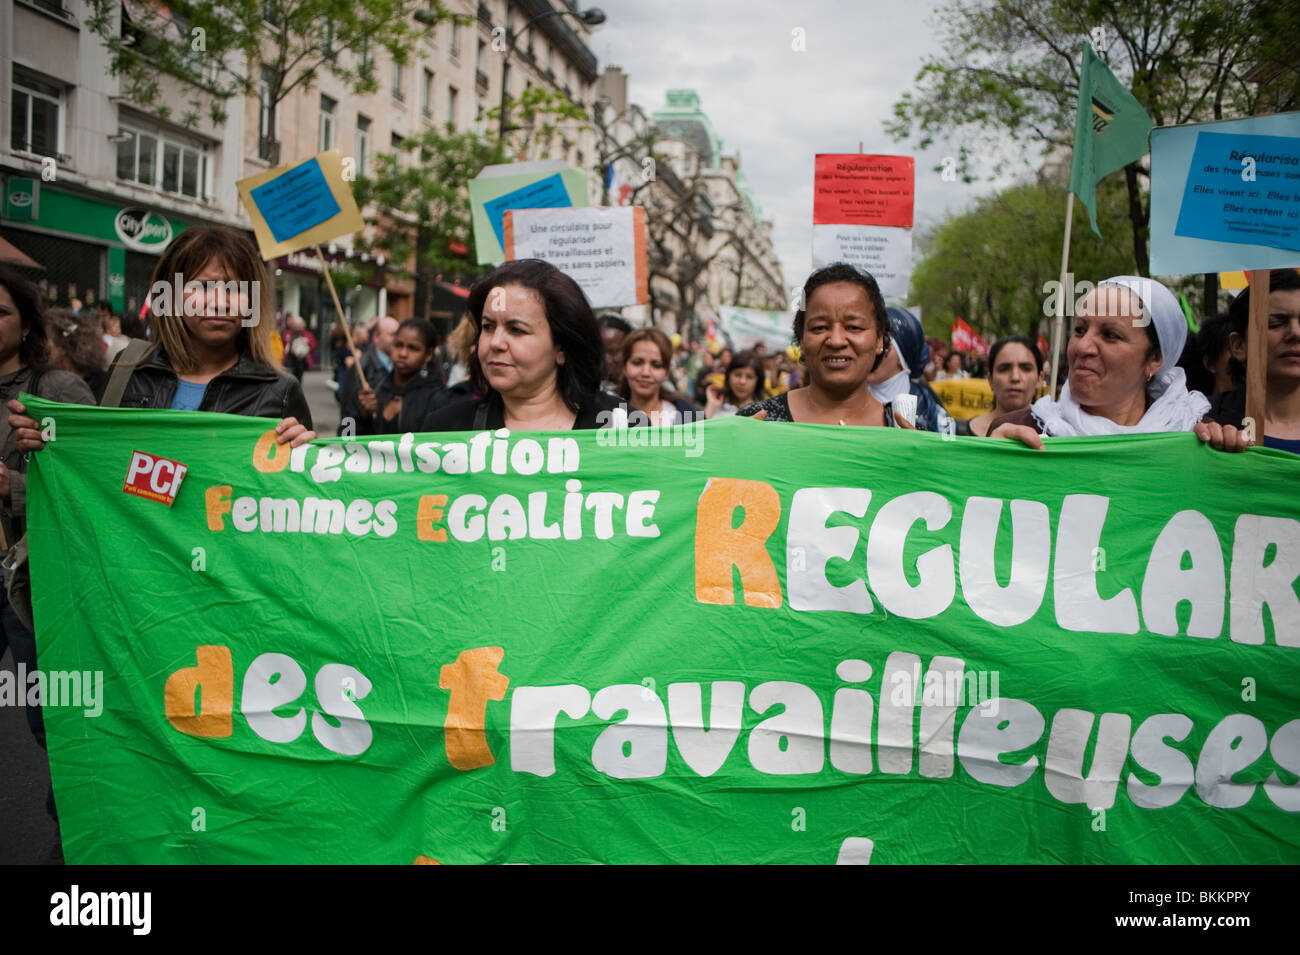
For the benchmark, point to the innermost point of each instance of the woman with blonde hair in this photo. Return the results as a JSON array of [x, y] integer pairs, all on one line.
[[211, 311]]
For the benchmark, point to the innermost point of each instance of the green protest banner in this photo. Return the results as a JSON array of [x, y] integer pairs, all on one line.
[[725, 642]]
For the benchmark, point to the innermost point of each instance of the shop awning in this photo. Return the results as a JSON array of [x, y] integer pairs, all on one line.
[[15, 256]]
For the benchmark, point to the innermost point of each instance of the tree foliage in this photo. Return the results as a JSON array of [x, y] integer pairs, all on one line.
[[1009, 73], [218, 49], [540, 123], [420, 194], [989, 265]]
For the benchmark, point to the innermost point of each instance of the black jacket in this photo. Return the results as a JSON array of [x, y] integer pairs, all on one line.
[[595, 412], [248, 388], [420, 398]]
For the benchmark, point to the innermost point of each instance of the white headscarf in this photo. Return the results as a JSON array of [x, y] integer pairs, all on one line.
[[1173, 407], [895, 385]]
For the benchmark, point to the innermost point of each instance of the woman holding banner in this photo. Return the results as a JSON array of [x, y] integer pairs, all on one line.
[[1015, 368], [645, 357], [1120, 381], [537, 356], [843, 334], [211, 311], [1282, 418]]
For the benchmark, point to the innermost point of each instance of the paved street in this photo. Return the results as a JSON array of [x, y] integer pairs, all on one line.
[[324, 406]]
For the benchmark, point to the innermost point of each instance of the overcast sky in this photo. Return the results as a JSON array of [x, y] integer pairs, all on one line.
[[779, 107]]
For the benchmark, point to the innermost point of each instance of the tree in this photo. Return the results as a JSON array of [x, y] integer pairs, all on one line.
[[245, 47], [543, 122], [1010, 68], [989, 265], [421, 197]]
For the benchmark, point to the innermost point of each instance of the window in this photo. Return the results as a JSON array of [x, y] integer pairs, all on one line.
[[327, 107], [34, 114], [365, 59], [396, 141], [426, 95], [480, 58], [163, 162], [452, 96], [399, 82], [455, 38], [363, 144]]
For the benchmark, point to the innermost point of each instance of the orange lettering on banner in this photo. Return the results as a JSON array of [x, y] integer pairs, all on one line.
[[425, 860], [473, 680], [719, 546], [214, 679], [428, 514], [217, 502], [264, 460]]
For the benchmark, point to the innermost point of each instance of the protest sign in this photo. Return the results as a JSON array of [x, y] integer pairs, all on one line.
[[492, 194], [728, 641], [299, 206], [602, 249], [883, 251], [746, 327], [1226, 196], [855, 189], [862, 215], [964, 397]]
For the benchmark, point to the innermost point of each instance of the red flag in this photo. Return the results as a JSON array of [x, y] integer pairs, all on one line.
[[1042, 346], [963, 336]]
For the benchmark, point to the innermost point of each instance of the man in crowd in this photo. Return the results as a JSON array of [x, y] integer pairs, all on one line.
[[375, 364], [299, 346]]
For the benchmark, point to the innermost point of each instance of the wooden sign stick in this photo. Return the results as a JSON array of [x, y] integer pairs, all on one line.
[[347, 331]]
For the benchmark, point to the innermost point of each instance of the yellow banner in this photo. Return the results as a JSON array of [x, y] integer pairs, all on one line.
[[964, 398]]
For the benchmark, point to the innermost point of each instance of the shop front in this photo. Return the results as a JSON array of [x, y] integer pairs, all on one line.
[[89, 248]]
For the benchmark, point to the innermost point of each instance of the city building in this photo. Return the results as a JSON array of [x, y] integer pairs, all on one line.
[[709, 244], [96, 184]]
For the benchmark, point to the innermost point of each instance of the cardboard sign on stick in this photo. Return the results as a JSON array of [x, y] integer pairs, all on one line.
[[492, 195], [853, 189], [883, 251], [601, 248], [296, 207], [1226, 196]]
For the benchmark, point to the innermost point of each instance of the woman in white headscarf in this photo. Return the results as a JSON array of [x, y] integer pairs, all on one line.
[[1128, 334]]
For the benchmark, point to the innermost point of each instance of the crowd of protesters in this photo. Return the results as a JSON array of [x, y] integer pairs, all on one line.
[[532, 355]]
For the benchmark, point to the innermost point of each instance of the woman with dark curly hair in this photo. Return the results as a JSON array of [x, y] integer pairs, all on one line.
[[843, 333], [536, 358], [76, 346]]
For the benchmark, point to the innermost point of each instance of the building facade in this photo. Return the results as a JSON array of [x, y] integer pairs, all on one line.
[[96, 185], [709, 244]]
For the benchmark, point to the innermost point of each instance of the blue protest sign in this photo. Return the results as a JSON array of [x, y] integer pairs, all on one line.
[[1243, 189], [296, 201], [548, 193], [1226, 196]]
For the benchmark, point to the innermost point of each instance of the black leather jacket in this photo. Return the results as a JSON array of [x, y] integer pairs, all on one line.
[[249, 387]]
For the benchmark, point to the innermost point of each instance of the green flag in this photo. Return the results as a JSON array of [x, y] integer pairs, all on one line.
[[1110, 130], [718, 642]]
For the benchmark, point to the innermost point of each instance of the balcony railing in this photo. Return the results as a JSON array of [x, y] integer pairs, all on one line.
[[485, 15], [63, 159], [481, 79]]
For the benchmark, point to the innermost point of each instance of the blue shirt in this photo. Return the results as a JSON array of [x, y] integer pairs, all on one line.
[[1283, 444], [188, 396]]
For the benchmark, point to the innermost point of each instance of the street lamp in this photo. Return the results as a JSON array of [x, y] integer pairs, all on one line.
[[592, 17]]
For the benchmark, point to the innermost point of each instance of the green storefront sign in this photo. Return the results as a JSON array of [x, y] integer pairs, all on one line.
[[134, 226]]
